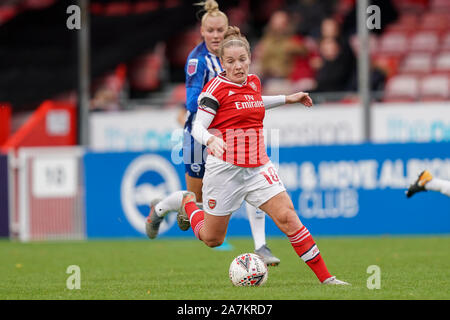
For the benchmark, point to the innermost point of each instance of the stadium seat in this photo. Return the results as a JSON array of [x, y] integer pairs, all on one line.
[[393, 43], [145, 71], [433, 20], [417, 63], [37, 4], [388, 63], [425, 41], [7, 12], [445, 42], [442, 63], [434, 87], [401, 88], [411, 5], [117, 9], [439, 5], [406, 23], [354, 43], [177, 96]]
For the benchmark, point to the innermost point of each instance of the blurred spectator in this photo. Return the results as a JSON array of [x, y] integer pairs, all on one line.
[[308, 14], [336, 68], [275, 53], [329, 28]]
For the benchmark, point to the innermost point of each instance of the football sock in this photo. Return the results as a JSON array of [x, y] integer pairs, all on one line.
[[439, 185], [196, 217], [170, 203], [257, 220], [307, 250]]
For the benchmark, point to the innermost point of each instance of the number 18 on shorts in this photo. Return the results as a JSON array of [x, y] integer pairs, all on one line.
[[226, 186]]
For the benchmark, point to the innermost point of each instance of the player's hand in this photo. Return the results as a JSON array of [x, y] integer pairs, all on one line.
[[217, 146], [300, 97]]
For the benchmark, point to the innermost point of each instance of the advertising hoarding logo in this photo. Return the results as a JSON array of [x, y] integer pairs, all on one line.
[[147, 177]]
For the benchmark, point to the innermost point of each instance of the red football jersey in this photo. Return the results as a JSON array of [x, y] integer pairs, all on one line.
[[239, 114]]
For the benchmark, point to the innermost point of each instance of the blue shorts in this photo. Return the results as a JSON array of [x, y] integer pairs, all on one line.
[[194, 153]]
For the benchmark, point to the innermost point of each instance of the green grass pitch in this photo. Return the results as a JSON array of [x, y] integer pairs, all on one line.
[[185, 269]]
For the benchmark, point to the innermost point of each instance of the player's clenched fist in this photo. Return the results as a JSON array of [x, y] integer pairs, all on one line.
[[217, 146]]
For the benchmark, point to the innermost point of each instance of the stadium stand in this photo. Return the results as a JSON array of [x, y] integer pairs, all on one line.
[[415, 48], [418, 46], [434, 88], [401, 88]]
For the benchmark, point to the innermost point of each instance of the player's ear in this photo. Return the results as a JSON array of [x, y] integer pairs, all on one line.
[[202, 31]]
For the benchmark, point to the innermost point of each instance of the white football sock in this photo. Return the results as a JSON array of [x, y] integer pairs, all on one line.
[[439, 185], [257, 220], [170, 203]]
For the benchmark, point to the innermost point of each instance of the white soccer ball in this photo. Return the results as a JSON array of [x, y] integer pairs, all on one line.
[[248, 269]]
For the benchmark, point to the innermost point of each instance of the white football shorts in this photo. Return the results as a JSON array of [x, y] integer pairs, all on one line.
[[226, 186]]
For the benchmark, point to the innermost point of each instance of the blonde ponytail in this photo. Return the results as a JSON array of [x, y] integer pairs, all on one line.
[[211, 9]]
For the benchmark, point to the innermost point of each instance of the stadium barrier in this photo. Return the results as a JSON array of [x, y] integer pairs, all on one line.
[[48, 194], [337, 190], [4, 196], [154, 129], [5, 121], [53, 123]]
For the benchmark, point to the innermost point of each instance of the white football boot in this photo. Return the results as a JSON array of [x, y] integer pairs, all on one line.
[[267, 256], [333, 281]]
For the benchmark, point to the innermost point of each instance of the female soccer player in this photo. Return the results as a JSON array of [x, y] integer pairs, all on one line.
[[202, 66], [230, 123]]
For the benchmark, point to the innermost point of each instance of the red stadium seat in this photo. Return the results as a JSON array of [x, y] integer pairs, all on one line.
[[388, 63], [411, 5], [437, 21], [354, 44], [435, 87], [439, 5], [417, 63], [442, 63], [445, 42], [401, 88], [425, 41], [406, 23], [7, 12], [177, 96], [145, 71], [393, 43]]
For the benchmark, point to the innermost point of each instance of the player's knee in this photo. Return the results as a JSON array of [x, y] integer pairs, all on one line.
[[213, 242]]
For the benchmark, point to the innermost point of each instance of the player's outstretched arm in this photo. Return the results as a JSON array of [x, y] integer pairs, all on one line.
[[300, 97], [271, 102]]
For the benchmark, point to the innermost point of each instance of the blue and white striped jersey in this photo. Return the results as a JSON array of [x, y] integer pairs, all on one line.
[[201, 66]]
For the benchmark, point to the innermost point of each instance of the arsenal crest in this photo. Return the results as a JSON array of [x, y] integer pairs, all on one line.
[[253, 85], [212, 203]]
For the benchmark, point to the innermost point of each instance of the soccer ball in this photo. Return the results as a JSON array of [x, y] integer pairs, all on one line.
[[248, 270]]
